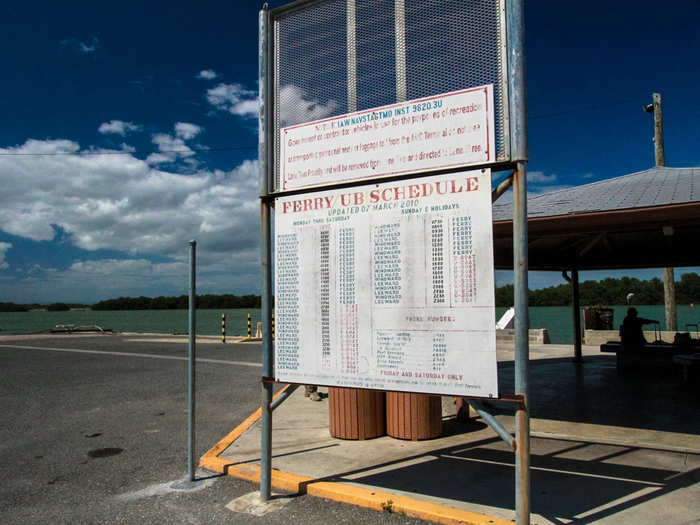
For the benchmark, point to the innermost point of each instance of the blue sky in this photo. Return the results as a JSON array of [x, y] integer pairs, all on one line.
[[125, 85]]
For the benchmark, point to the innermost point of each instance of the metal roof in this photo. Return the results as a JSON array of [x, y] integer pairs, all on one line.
[[649, 219], [658, 186]]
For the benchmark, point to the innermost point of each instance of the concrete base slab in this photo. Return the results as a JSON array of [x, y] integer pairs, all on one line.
[[203, 480], [252, 504], [629, 453]]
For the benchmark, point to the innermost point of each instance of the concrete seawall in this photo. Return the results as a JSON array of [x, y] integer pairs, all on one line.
[[598, 337], [537, 336]]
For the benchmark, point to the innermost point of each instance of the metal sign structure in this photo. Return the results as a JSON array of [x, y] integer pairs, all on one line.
[[329, 61]]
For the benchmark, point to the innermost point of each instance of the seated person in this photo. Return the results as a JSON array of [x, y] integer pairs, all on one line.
[[631, 330]]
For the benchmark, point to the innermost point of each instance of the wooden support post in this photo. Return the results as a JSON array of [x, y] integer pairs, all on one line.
[[660, 160]]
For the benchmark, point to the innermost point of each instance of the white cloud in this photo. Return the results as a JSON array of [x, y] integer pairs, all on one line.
[[118, 127], [187, 131], [234, 98], [4, 246], [207, 74], [120, 202], [78, 46], [538, 177], [93, 280], [296, 108], [172, 148]]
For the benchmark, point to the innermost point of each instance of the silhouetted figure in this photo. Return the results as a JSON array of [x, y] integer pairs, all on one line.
[[631, 330]]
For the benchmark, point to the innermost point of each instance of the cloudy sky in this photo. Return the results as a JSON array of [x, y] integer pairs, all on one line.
[[127, 130]]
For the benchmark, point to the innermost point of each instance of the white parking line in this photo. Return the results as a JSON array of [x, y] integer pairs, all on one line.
[[130, 354]]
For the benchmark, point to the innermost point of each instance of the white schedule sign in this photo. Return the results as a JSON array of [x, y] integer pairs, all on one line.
[[388, 286], [451, 130]]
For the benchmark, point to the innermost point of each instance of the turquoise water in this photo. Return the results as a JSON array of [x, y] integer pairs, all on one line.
[[557, 319], [154, 321]]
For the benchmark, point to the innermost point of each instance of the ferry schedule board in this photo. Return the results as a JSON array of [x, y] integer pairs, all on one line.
[[388, 286], [451, 130]]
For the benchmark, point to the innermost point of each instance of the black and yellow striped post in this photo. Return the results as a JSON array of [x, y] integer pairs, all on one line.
[[273, 325], [249, 327], [223, 328]]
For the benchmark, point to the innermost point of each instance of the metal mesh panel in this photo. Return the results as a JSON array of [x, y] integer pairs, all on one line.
[[448, 45]]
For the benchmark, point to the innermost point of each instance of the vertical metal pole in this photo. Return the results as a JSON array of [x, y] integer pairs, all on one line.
[[264, 152], [576, 306], [522, 323], [267, 358], [191, 361], [515, 23], [223, 328]]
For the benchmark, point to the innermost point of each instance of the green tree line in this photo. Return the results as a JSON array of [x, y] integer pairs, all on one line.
[[179, 302], [53, 307], [608, 292]]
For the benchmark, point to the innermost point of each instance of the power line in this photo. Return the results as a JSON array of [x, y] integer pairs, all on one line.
[[142, 152], [581, 109]]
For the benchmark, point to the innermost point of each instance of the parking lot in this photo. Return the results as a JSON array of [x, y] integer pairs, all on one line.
[[94, 430]]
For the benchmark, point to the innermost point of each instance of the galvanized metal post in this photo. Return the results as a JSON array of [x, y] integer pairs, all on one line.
[[576, 306], [264, 143], [522, 323], [191, 362], [267, 357], [515, 21]]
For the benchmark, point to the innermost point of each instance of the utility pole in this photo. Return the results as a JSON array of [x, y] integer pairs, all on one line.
[[660, 159]]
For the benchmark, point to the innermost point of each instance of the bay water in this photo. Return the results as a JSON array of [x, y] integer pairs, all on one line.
[[558, 320]]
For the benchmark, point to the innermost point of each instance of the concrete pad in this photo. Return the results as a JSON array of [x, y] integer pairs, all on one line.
[[583, 468], [252, 504]]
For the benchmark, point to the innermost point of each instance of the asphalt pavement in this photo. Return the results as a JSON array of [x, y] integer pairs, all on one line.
[[94, 430]]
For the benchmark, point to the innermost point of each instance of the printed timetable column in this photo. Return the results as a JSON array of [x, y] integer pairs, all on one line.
[[347, 298], [287, 302], [463, 260], [324, 297]]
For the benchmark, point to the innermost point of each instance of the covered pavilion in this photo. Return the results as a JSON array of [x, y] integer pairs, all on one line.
[[648, 219]]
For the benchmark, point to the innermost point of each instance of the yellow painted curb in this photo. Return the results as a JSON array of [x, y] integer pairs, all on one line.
[[341, 492], [387, 502]]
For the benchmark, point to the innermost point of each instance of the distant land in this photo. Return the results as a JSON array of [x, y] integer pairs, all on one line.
[[144, 303], [606, 292]]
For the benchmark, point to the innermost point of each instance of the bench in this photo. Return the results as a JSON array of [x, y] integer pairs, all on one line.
[[650, 353]]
